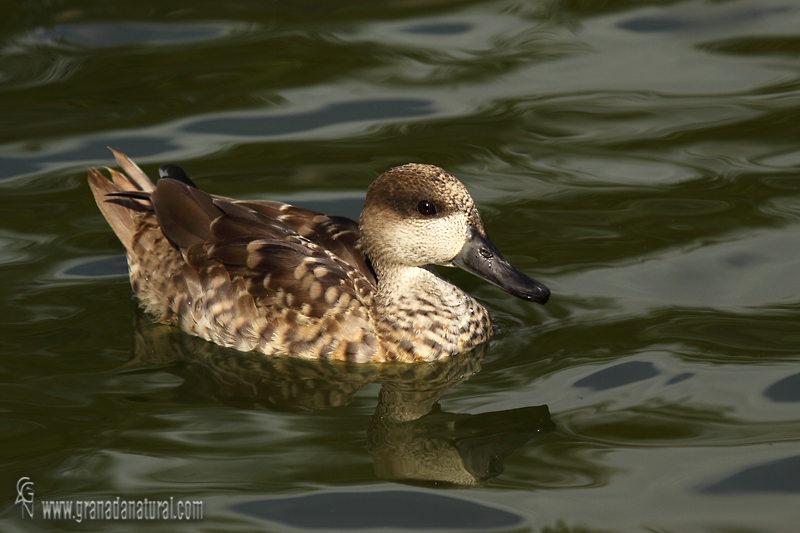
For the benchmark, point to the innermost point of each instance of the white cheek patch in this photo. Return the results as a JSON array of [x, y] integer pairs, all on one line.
[[444, 238], [421, 242], [458, 234]]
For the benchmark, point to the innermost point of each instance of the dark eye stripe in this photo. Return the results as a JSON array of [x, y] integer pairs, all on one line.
[[426, 208]]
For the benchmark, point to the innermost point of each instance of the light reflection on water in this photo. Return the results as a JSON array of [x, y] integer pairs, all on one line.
[[639, 159]]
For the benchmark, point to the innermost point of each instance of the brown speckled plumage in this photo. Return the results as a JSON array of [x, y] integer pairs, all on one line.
[[269, 277]]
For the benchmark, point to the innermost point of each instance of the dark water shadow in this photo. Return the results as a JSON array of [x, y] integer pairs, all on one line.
[[95, 267], [337, 113], [395, 509], [618, 375], [781, 476], [439, 28], [666, 23], [88, 151], [410, 438], [785, 390]]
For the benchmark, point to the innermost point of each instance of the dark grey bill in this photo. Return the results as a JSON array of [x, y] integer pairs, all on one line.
[[481, 257]]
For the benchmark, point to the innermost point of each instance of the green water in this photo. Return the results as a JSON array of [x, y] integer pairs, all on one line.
[[639, 158]]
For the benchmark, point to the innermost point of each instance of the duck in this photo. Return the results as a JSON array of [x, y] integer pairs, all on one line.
[[269, 277]]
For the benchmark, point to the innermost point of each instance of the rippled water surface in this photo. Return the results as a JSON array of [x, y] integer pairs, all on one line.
[[639, 158]]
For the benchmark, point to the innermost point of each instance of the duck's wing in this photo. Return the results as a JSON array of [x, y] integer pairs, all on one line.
[[260, 276], [338, 235], [273, 247]]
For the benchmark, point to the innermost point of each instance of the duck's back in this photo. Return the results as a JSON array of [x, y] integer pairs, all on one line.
[[263, 276]]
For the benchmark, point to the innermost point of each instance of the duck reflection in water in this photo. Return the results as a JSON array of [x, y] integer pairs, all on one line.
[[410, 438]]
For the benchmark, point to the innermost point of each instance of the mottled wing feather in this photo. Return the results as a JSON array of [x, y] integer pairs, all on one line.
[[239, 221], [288, 275], [338, 235], [259, 241]]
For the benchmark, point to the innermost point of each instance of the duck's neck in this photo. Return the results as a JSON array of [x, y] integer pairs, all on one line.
[[394, 282], [420, 316]]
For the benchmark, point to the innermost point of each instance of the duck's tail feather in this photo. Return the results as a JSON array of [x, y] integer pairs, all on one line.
[[123, 198], [135, 176]]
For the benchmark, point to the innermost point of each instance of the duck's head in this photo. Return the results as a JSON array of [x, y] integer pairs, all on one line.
[[418, 215]]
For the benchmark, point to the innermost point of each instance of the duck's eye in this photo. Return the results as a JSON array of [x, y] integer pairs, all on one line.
[[426, 208]]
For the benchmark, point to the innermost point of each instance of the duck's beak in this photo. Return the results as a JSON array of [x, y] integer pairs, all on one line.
[[481, 257]]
